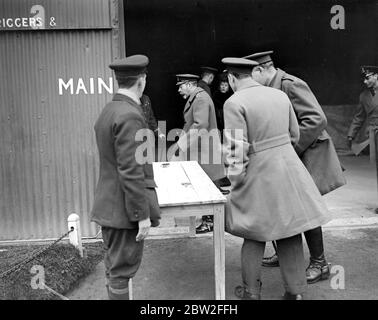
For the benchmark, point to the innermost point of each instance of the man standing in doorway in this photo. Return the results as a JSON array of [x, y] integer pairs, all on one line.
[[125, 204], [315, 148], [368, 104]]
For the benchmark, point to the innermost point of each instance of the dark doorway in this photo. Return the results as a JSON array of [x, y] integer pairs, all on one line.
[[179, 36]]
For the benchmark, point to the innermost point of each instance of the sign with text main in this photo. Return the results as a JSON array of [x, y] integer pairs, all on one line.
[[54, 14]]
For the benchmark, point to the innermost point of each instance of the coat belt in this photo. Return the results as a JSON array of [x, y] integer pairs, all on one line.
[[258, 146]]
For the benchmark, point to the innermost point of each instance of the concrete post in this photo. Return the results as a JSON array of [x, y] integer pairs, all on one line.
[[75, 235]]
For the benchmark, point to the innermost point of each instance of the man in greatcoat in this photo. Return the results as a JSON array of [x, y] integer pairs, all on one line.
[[273, 197], [368, 103], [315, 148], [125, 203], [200, 139]]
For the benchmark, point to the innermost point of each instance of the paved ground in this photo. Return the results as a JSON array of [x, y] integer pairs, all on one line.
[[183, 268]]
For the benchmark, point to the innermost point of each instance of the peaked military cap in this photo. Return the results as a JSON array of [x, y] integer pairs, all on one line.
[[260, 57], [239, 65], [185, 77], [209, 69], [131, 66], [367, 70]]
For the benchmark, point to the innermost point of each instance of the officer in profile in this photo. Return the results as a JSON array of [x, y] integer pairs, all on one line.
[[200, 140], [125, 202]]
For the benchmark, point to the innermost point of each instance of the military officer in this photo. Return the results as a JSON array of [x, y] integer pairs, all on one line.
[[368, 103], [207, 78], [200, 140], [273, 197], [125, 203], [315, 148]]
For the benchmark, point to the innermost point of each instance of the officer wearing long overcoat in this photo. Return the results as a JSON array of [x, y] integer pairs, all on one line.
[[315, 148], [273, 197], [199, 125]]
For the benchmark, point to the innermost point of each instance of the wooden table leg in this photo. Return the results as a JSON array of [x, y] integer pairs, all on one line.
[[219, 252]]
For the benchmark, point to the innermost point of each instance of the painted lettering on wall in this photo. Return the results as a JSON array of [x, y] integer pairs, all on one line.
[[36, 20], [85, 86]]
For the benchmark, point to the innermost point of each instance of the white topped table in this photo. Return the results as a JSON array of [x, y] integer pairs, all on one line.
[[184, 189]]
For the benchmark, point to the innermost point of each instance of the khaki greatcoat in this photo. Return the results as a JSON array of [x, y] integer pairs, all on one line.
[[200, 139]]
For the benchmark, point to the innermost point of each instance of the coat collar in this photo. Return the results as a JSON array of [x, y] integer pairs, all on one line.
[[127, 99], [250, 84], [276, 81], [122, 97], [192, 97]]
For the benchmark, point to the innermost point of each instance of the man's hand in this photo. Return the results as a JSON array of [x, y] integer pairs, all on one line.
[[350, 142], [144, 228]]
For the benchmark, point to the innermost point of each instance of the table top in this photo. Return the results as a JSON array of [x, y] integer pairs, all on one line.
[[184, 183]]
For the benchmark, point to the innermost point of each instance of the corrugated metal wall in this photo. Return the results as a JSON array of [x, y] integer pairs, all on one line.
[[48, 155], [67, 14]]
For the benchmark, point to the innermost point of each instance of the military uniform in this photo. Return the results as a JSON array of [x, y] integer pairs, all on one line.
[[125, 192], [273, 197], [148, 113], [315, 146], [367, 110], [199, 114], [202, 84], [317, 152]]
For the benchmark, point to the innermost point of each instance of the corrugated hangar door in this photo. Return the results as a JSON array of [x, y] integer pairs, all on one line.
[[54, 82]]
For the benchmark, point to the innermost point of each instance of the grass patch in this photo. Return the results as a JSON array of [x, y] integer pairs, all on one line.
[[63, 268]]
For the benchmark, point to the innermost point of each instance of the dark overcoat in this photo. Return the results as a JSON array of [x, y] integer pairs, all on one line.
[[125, 191], [315, 146]]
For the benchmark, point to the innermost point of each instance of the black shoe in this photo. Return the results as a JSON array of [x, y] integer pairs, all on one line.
[[224, 182], [224, 191], [205, 227], [271, 261], [290, 296], [317, 271]]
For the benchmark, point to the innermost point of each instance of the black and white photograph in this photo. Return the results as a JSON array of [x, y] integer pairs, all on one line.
[[186, 152]]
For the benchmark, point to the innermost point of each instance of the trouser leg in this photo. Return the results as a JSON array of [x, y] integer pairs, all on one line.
[[123, 256], [314, 239], [251, 255], [292, 264], [318, 268]]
